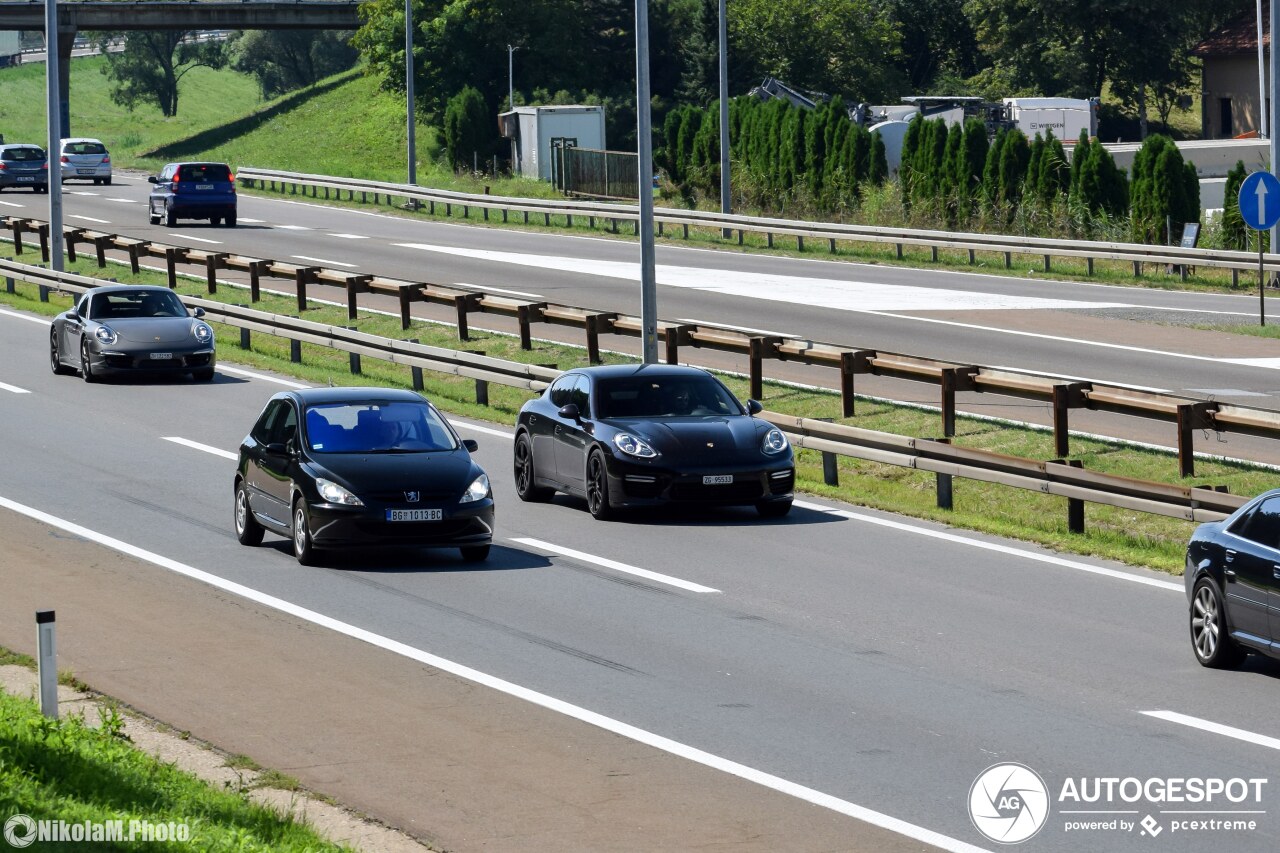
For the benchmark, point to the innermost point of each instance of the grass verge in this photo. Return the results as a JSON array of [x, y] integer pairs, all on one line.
[[67, 770], [1131, 537]]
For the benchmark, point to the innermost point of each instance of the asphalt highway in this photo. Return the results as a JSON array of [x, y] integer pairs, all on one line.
[[877, 662]]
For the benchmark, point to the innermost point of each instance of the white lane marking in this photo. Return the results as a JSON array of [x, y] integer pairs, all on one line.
[[840, 294], [613, 564], [486, 430], [739, 328], [13, 388], [992, 546], [1215, 728], [238, 371], [349, 236], [499, 290], [41, 320], [186, 442], [89, 218], [323, 261], [707, 759], [79, 192], [292, 227], [1225, 392], [251, 221], [1272, 363], [199, 239], [11, 204], [123, 200]]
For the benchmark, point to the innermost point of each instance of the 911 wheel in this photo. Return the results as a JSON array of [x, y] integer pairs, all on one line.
[[1210, 639], [55, 358], [248, 530], [86, 367]]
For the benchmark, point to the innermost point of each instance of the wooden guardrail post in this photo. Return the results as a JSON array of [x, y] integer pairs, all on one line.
[[100, 250], [851, 362], [43, 232], [526, 314], [953, 379], [301, 276], [255, 279], [295, 351], [133, 257], [1065, 397], [594, 324], [463, 304], [757, 348], [676, 337], [171, 265], [211, 264], [16, 226], [1191, 416], [72, 236], [355, 284]]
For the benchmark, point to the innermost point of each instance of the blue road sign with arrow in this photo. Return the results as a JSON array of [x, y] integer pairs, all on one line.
[[1260, 201]]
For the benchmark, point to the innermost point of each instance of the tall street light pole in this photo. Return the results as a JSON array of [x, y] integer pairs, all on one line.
[[1275, 105], [724, 113], [511, 91], [411, 124], [53, 105], [644, 146]]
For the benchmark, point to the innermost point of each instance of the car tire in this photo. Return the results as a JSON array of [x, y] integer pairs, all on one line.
[[597, 482], [474, 553], [153, 219], [171, 219], [86, 367], [773, 509], [204, 375], [55, 358], [106, 181], [304, 548], [248, 530], [526, 488], [97, 182], [1210, 639], [231, 220], [215, 221]]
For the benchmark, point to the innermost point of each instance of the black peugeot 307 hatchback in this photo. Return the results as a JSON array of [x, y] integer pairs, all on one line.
[[1233, 584], [639, 435], [339, 468]]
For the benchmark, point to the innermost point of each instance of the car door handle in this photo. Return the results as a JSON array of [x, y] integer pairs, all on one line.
[[1231, 555], [558, 429], [1275, 572]]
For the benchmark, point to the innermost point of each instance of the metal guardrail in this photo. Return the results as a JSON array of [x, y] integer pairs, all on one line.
[[1195, 504], [1007, 245], [1187, 414]]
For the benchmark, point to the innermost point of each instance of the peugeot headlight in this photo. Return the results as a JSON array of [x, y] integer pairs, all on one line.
[[106, 335], [335, 494], [203, 333], [632, 446], [477, 491], [774, 442]]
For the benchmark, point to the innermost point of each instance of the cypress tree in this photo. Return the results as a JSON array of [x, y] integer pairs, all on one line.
[[1078, 157], [861, 143], [906, 167], [1014, 157], [991, 171], [1032, 183], [1233, 227], [971, 159], [879, 169], [1054, 175]]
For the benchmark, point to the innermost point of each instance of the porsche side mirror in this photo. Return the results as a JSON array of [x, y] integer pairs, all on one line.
[[152, 179], [471, 445], [73, 315], [570, 412], [199, 312], [754, 407]]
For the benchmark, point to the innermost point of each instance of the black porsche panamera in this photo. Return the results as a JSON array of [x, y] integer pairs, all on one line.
[[1232, 580], [342, 468], [642, 435]]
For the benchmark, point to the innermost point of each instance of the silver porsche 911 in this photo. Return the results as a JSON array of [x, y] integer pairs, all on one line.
[[123, 329]]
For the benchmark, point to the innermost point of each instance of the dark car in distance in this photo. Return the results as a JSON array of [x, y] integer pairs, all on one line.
[[193, 191], [131, 328], [1232, 579], [24, 166], [643, 435], [342, 468]]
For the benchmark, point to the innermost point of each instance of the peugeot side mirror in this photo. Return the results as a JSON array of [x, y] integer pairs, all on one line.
[[277, 448], [754, 407], [570, 412], [152, 179], [471, 445]]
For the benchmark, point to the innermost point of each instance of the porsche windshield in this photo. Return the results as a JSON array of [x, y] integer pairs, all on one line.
[[399, 427], [665, 397]]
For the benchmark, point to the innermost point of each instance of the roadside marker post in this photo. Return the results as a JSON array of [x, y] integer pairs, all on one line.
[[47, 663], [1260, 209]]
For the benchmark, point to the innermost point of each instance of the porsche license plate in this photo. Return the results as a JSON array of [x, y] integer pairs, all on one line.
[[31, 178], [717, 479], [415, 514], [161, 356]]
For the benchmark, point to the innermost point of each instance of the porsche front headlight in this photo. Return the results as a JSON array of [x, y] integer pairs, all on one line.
[[774, 442], [632, 446], [106, 335], [203, 333]]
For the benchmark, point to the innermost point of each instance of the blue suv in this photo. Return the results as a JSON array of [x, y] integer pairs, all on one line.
[[193, 191]]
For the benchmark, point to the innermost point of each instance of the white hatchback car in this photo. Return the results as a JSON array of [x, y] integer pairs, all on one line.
[[85, 159]]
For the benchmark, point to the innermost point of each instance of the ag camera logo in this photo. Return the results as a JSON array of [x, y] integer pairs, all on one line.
[[19, 830], [1008, 803]]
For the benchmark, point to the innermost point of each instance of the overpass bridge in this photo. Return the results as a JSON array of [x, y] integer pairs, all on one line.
[[196, 15]]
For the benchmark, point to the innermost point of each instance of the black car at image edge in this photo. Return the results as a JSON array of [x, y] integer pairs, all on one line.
[[643, 435], [343, 468], [1232, 580]]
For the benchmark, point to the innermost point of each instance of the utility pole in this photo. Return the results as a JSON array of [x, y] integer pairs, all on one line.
[[1275, 104], [511, 92], [411, 124], [644, 146], [53, 104], [724, 115], [1262, 81]]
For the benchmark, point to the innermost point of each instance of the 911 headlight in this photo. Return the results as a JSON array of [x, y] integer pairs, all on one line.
[[632, 446], [106, 335], [203, 333], [477, 491], [335, 494], [774, 442]]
